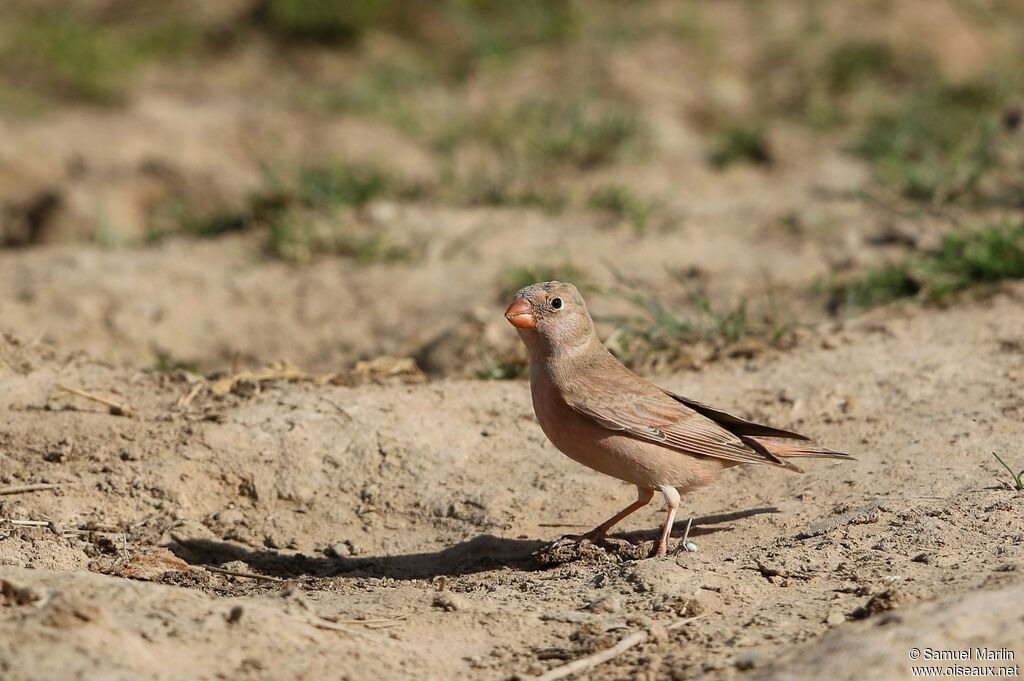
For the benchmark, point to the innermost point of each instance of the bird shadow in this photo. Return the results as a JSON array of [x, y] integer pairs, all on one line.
[[479, 554]]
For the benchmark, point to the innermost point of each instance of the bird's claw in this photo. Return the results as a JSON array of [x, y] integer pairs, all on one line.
[[597, 538]]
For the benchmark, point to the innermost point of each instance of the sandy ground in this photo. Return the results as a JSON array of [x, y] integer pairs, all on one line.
[[422, 506], [126, 305], [226, 520]]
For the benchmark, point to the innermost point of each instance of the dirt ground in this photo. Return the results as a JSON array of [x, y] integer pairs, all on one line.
[[421, 505], [295, 469]]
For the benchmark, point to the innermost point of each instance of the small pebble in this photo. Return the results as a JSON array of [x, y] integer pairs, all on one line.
[[609, 604], [235, 614], [448, 602], [338, 550], [691, 547], [747, 660]]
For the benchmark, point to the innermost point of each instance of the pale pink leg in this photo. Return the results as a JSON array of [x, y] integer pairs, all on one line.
[[672, 502], [598, 534]]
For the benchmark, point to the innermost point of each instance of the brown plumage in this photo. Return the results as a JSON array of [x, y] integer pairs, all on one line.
[[604, 416]]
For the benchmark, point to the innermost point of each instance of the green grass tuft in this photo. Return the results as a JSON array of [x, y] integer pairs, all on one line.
[[312, 212], [64, 55], [853, 64], [499, 29], [502, 369], [937, 145], [619, 201], [343, 184], [324, 20], [178, 216], [506, 188], [515, 278], [164, 361], [665, 328], [585, 132], [990, 254], [1018, 478], [534, 144], [315, 214], [741, 143], [300, 236], [459, 32], [660, 333]]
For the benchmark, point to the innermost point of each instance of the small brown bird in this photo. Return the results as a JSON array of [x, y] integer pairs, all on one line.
[[601, 414]]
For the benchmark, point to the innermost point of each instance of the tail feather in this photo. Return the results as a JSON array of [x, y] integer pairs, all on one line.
[[760, 437], [777, 451]]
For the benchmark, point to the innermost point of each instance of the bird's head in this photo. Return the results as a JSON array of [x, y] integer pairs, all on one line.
[[551, 314]]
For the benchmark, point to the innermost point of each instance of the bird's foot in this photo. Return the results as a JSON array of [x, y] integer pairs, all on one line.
[[684, 543], [661, 550], [594, 537]]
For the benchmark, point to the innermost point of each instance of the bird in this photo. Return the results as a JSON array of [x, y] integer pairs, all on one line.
[[602, 415]]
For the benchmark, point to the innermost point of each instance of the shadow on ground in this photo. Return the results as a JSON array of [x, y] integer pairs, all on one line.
[[479, 554], [700, 526]]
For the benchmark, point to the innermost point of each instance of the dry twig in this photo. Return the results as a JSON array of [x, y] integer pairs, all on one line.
[[186, 400], [561, 525], [238, 573], [19, 489], [24, 523], [115, 408], [380, 620], [339, 625], [590, 661], [331, 626]]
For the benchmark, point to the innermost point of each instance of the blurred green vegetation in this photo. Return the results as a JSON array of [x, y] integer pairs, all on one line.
[[497, 28], [619, 201], [324, 20], [741, 143], [1017, 478], [535, 146], [299, 237], [584, 132], [91, 53], [984, 255], [541, 104], [660, 328], [466, 30], [309, 212], [60, 55], [316, 213], [519, 276], [939, 144], [928, 139]]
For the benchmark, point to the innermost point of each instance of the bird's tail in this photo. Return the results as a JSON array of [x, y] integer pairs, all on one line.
[[778, 452]]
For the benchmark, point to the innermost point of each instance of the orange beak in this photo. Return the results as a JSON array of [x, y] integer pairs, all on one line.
[[520, 315]]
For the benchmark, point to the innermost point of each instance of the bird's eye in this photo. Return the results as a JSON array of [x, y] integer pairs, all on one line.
[[556, 303]]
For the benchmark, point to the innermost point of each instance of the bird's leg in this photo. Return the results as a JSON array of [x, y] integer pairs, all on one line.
[[599, 533], [672, 505]]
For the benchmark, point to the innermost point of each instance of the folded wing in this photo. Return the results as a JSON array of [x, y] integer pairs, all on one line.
[[625, 403]]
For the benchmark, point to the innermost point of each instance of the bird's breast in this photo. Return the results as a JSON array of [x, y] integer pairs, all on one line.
[[612, 452]]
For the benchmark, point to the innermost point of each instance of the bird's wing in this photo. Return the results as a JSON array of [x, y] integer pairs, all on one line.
[[623, 402], [734, 424]]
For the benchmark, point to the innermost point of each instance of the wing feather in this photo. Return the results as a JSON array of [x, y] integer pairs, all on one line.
[[734, 423], [629, 405]]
